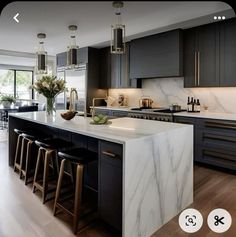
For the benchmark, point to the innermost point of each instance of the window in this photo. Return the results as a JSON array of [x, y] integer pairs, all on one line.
[[7, 82], [16, 83], [23, 83]]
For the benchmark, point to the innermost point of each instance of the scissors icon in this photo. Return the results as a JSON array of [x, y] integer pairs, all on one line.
[[218, 220]]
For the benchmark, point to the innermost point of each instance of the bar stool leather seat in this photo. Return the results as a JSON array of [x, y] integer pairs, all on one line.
[[77, 157], [80, 155], [54, 143]]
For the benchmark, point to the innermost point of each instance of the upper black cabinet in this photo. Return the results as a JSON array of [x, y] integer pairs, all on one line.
[[210, 55], [114, 70], [157, 55], [228, 53], [201, 56]]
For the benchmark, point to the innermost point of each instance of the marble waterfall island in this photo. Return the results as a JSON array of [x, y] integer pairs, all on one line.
[[157, 164]]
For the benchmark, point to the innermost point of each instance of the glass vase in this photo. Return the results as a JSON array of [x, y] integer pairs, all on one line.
[[51, 107]]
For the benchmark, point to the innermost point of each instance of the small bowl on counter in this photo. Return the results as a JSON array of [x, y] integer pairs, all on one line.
[[100, 119], [68, 115]]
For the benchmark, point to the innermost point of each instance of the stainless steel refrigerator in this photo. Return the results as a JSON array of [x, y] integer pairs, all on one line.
[[86, 84]]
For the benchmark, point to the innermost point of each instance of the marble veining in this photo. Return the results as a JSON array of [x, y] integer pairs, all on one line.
[[158, 182], [165, 91]]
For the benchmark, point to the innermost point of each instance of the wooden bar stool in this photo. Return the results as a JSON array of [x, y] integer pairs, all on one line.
[[45, 181], [18, 149], [78, 158], [28, 146]]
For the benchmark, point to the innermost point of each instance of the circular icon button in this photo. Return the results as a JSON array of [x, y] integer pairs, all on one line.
[[219, 220], [190, 220]]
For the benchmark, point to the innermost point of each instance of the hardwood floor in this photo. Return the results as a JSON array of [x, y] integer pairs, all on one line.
[[212, 189], [22, 213]]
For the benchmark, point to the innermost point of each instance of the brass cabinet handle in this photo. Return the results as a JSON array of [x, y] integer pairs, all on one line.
[[219, 137], [195, 68], [107, 153], [226, 125], [198, 68]]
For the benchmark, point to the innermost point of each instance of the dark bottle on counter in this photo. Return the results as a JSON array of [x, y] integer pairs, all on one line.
[[191, 106], [198, 106], [194, 105], [188, 104]]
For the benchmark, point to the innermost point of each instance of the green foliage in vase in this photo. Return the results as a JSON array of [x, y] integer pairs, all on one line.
[[49, 86]]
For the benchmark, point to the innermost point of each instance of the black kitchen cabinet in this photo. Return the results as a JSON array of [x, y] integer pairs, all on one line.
[[214, 141], [190, 58], [114, 70], [210, 55], [228, 53], [158, 55], [110, 200], [201, 56], [105, 67]]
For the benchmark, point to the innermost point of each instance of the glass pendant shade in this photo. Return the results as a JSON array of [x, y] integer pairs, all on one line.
[[118, 31], [72, 50], [117, 40], [41, 56]]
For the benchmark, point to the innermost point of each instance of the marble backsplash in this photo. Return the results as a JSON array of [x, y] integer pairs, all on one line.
[[166, 91]]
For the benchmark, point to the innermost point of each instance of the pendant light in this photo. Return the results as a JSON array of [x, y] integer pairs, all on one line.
[[72, 49], [41, 60], [118, 31]]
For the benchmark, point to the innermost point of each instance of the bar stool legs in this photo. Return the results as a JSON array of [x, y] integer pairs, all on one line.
[[59, 184], [44, 156], [18, 153], [25, 158], [78, 193]]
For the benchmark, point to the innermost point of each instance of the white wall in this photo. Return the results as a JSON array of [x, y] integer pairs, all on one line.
[[165, 91]]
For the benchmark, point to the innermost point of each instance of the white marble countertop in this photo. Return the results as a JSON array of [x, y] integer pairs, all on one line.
[[120, 131], [207, 114]]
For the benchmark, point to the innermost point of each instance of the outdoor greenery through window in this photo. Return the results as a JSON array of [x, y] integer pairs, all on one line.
[[16, 83]]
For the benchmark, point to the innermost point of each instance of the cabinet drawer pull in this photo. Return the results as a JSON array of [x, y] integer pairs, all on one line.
[[219, 155], [186, 122], [226, 125], [107, 153], [220, 138]]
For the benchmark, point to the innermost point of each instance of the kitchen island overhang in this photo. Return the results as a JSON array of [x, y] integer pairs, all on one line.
[[157, 166]]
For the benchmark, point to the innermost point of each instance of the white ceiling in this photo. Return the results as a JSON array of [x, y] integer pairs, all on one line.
[[94, 20]]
